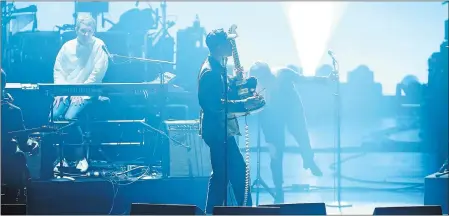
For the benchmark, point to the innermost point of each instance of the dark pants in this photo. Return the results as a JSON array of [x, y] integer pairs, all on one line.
[[236, 174]]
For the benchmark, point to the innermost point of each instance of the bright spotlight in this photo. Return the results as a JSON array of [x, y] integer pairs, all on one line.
[[312, 24]]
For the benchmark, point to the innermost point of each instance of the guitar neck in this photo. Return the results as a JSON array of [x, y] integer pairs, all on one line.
[[235, 56]]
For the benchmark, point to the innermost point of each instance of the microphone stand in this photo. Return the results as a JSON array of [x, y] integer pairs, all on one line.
[[225, 141], [141, 59], [338, 204], [259, 182]]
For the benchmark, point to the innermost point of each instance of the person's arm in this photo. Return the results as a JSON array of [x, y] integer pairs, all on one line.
[[101, 62], [58, 73], [210, 94]]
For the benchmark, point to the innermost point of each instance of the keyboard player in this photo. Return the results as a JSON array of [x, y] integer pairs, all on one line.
[[81, 60]]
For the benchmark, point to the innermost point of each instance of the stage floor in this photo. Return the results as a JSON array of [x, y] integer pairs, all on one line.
[[99, 197], [95, 196], [102, 196], [391, 179]]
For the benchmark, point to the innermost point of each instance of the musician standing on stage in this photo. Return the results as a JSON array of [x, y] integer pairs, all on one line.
[[284, 110], [211, 99], [15, 174], [80, 61]]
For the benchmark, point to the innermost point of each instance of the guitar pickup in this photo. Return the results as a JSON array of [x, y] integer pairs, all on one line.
[[243, 91]]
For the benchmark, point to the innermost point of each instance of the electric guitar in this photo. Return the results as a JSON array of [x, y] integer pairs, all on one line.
[[241, 87]]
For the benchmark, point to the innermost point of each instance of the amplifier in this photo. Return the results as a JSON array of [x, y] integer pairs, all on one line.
[[184, 162]]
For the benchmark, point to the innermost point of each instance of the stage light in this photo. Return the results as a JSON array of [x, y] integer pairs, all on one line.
[[312, 25]]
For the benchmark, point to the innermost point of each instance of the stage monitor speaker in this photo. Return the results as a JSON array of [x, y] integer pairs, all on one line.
[[164, 209], [14, 209], [300, 208], [182, 161], [245, 210], [409, 210], [435, 191]]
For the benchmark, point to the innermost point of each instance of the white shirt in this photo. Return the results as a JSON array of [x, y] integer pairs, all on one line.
[[77, 63]]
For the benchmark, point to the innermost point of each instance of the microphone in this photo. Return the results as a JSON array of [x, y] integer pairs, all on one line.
[[334, 61], [110, 56], [332, 55]]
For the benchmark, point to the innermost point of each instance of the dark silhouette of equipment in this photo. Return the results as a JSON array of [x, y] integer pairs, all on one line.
[[164, 209], [446, 29], [190, 54], [136, 20], [22, 17], [408, 210], [160, 45], [14, 209], [31, 56], [436, 104]]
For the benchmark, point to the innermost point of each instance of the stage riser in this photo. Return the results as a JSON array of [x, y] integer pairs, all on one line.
[[436, 191], [95, 196]]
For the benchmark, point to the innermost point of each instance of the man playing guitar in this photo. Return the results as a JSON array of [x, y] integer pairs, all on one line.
[[212, 101]]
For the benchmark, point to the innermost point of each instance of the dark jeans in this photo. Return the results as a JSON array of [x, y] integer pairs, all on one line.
[[236, 174]]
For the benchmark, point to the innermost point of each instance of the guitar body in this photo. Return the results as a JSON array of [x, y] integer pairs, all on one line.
[[242, 89]]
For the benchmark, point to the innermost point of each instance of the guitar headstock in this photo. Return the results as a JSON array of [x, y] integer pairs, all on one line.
[[233, 30]]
